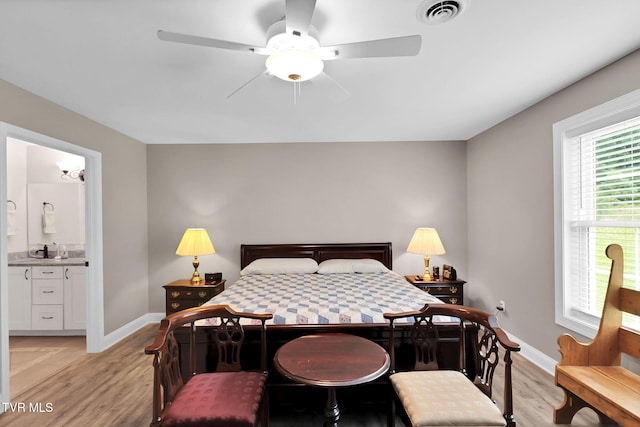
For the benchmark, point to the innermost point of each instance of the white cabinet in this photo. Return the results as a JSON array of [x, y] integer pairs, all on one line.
[[46, 298], [19, 298], [46, 285], [43, 298], [75, 283], [46, 317]]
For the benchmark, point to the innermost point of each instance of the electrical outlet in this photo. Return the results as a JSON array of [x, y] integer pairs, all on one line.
[[501, 305]]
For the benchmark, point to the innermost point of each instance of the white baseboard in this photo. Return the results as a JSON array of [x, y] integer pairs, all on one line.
[[535, 356], [131, 327]]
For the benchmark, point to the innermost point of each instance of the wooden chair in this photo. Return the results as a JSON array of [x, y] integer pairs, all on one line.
[[227, 397], [433, 397], [590, 374]]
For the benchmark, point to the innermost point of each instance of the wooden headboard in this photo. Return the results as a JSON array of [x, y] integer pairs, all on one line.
[[320, 252]]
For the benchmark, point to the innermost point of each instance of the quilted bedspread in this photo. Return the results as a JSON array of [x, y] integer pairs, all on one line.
[[324, 298]]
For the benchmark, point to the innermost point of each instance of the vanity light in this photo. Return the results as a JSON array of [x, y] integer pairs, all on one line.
[[71, 170]]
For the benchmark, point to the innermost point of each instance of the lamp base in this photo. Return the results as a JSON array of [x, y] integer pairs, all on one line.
[[426, 277], [195, 278]]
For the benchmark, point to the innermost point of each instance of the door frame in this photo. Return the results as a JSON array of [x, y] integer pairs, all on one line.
[[94, 298]]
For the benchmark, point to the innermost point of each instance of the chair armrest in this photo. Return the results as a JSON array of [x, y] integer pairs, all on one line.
[[462, 312], [190, 315], [574, 353]]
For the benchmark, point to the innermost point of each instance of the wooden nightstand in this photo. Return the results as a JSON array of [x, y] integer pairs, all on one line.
[[181, 294], [449, 291]]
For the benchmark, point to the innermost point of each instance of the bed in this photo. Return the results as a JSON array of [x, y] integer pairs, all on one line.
[[340, 286]]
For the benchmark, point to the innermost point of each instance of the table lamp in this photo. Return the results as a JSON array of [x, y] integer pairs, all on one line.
[[426, 241], [195, 241]]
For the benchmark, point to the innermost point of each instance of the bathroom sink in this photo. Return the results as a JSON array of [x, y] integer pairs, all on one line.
[[47, 261]]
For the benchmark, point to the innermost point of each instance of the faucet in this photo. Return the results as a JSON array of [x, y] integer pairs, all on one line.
[[44, 251]]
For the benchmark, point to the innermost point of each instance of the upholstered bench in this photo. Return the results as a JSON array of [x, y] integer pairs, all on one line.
[[433, 397], [444, 398], [218, 398]]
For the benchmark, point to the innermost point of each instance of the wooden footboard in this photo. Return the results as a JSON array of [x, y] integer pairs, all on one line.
[[276, 336]]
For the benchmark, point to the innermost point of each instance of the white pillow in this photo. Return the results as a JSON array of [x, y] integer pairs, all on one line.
[[364, 265], [281, 266]]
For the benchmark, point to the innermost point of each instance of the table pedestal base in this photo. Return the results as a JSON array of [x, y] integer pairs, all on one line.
[[331, 410], [331, 360]]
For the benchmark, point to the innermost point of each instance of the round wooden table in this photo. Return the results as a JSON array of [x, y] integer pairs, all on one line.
[[331, 360]]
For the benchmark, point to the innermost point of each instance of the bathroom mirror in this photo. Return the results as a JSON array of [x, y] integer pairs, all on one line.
[[65, 213]]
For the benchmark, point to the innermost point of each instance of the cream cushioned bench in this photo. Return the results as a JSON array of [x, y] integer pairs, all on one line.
[[457, 402], [433, 397]]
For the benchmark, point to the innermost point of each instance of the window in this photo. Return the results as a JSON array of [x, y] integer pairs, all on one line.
[[597, 195]]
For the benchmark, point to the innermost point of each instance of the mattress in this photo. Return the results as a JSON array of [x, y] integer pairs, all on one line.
[[322, 299]]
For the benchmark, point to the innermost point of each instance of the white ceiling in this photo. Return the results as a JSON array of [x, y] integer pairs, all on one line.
[[102, 59]]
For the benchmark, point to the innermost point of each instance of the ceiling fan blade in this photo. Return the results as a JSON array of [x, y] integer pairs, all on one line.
[[205, 41], [331, 87], [397, 46], [261, 75], [298, 16]]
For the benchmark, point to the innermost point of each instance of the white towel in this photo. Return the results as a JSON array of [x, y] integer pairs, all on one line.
[[48, 222], [11, 223]]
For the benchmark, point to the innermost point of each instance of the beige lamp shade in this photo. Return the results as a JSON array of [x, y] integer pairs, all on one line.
[[195, 241], [426, 241]]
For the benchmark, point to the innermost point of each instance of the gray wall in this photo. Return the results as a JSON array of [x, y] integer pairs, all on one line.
[[377, 192], [510, 187], [302, 193], [124, 168]]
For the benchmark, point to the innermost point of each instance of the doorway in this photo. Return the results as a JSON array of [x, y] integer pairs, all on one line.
[[93, 244]]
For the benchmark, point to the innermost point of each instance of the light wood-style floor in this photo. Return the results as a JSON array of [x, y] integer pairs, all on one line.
[[36, 358], [113, 388]]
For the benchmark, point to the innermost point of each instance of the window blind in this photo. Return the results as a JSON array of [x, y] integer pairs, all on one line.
[[604, 207]]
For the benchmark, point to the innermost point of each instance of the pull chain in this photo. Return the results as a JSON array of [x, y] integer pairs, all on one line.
[[296, 92]]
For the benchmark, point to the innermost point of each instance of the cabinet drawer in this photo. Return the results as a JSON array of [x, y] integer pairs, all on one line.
[[181, 294], [47, 291], [190, 294], [42, 272], [177, 305], [447, 290], [451, 294], [46, 317], [449, 299]]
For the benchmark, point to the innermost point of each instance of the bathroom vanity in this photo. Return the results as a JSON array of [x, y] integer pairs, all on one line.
[[47, 296]]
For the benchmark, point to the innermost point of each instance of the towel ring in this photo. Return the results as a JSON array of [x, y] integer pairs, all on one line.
[[13, 203], [44, 206]]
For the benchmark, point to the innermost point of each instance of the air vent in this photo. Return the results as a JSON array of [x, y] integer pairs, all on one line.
[[436, 12]]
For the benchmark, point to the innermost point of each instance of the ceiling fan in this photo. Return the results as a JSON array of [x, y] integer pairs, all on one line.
[[294, 53]]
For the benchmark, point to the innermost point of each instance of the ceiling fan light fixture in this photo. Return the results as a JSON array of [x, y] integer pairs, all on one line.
[[293, 49], [294, 65]]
